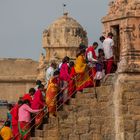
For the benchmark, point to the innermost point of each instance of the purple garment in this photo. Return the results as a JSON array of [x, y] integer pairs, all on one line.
[[64, 72]]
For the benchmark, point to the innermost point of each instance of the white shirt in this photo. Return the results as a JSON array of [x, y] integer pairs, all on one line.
[[108, 47], [91, 60], [49, 73]]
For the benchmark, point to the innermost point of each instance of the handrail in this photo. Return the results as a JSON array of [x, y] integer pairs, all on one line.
[[50, 103]]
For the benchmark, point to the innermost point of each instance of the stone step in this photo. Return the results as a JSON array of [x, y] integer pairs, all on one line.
[[39, 133], [108, 79], [51, 133], [36, 138], [104, 93], [86, 95], [88, 90]]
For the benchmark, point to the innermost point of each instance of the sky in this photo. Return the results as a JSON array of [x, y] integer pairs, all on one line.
[[23, 21]]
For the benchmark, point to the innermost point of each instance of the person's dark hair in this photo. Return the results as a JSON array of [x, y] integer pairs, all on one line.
[[95, 44], [81, 52], [41, 86], [9, 106], [56, 73], [71, 63], [110, 34], [100, 50], [65, 59], [38, 82], [102, 38], [20, 102], [82, 46], [31, 90], [26, 102], [7, 123], [53, 64]]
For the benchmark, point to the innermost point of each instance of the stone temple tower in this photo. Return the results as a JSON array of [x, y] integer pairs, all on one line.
[[123, 19], [63, 37]]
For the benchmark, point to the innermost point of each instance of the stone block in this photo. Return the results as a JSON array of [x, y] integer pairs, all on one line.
[[135, 110], [81, 129], [129, 136], [138, 126], [136, 117], [88, 136], [84, 101], [84, 113], [109, 137], [129, 126], [66, 131], [88, 90], [51, 133], [74, 137], [96, 128], [63, 137], [107, 127], [39, 133], [83, 120], [131, 95], [137, 136], [136, 102], [97, 137], [51, 138]]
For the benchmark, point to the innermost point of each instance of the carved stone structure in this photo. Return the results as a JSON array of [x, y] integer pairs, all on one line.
[[123, 19], [41, 68], [16, 77], [62, 38]]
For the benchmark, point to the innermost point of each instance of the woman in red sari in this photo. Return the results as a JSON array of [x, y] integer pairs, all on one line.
[[83, 79], [72, 86]]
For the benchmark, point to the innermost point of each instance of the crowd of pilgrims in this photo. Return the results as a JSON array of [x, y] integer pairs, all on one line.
[[62, 83]]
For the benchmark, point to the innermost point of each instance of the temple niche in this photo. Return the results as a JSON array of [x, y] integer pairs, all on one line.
[[62, 38], [123, 19]]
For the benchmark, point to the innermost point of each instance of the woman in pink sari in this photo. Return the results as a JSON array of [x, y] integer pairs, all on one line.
[[65, 78], [24, 119]]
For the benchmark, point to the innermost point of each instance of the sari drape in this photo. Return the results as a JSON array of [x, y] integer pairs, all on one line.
[[72, 86], [51, 95], [83, 79], [24, 130]]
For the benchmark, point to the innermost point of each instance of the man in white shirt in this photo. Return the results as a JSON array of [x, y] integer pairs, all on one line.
[[92, 58], [108, 45], [50, 72]]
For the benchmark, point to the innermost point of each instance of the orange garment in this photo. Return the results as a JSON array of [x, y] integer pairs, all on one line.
[[6, 133], [83, 79], [51, 94]]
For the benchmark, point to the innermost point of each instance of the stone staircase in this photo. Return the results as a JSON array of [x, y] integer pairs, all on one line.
[[89, 116]]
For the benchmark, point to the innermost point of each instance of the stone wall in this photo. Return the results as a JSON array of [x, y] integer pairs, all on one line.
[[16, 77], [127, 107]]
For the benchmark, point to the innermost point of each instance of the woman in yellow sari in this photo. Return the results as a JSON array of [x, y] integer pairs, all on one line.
[[51, 94], [83, 79]]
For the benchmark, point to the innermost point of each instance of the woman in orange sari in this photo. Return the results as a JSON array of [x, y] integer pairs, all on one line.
[[51, 94], [83, 79]]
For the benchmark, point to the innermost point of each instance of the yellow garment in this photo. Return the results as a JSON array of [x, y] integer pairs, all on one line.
[[80, 64], [6, 133], [51, 93], [82, 78]]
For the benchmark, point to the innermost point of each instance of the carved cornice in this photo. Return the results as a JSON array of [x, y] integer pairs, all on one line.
[[19, 79]]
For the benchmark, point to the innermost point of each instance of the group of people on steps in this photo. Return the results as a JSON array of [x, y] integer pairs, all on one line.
[[62, 83]]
